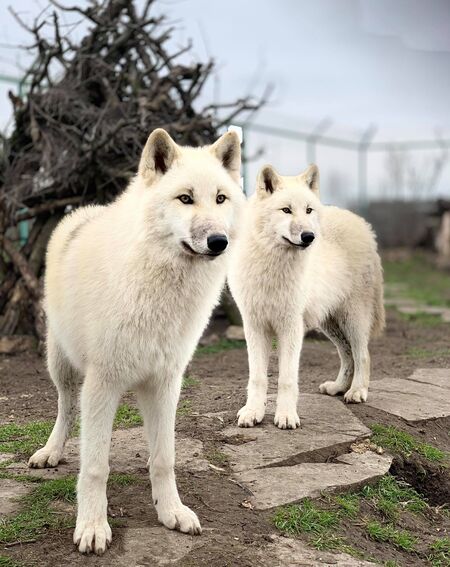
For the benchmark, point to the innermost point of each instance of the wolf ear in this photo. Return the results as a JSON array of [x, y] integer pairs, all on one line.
[[158, 155], [227, 150], [311, 177], [268, 181]]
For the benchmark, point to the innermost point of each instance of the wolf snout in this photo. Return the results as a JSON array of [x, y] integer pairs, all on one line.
[[217, 243], [307, 238]]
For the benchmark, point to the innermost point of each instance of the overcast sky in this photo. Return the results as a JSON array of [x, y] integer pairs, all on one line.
[[357, 62]]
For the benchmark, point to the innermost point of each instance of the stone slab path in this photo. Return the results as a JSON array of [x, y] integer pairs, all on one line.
[[10, 493], [280, 467], [129, 452], [325, 423], [294, 553], [276, 486], [423, 395], [276, 467], [151, 547]]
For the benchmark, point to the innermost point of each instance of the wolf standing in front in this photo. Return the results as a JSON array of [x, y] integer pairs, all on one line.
[[300, 265], [129, 289]]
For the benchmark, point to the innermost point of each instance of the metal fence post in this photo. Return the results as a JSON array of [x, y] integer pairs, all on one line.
[[363, 147], [314, 137]]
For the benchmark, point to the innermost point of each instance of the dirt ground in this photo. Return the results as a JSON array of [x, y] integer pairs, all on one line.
[[232, 533]]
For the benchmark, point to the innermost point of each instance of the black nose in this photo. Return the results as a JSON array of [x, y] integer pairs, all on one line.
[[217, 243], [307, 238]]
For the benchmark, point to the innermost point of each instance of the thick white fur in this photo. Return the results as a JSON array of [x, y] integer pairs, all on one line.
[[126, 306], [335, 284]]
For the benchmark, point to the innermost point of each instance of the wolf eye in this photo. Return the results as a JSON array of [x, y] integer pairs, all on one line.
[[308, 210], [186, 199], [220, 199], [287, 210]]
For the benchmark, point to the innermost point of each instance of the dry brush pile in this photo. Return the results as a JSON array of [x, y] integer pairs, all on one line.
[[78, 133]]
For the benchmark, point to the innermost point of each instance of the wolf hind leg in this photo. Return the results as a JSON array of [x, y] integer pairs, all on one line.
[[337, 335], [66, 379], [359, 334]]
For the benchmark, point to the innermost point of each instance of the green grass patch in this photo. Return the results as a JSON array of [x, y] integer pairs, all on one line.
[[419, 280], [421, 318], [319, 524], [8, 562], [189, 382], [37, 515], [184, 408], [387, 533], [391, 496], [322, 521], [21, 477], [119, 479], [348, 504], [217, 457], [305, 517], [127, 416], [220, 346], [439, 552], [24, 439], [415, 352], [6, 463], [404, 443]]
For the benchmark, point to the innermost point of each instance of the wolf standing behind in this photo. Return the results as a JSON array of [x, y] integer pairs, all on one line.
[[300, 265], [129, 289]]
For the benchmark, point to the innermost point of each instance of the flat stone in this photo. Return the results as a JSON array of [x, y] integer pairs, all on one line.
[[235, 333], [129, 453], [443, 312], [423, 395], [10, 492], [295, 553], [276, 486], [150, 547], [325, 422]]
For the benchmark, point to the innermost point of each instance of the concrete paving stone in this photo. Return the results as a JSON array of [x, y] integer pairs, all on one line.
[[295, 553], [10, 492], [325, 422], [150, 547], [423, 395], [275, 486], [129, 453]]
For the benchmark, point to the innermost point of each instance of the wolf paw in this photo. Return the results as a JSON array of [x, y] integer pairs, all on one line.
[[331, 388], [180, 518], [356, 395], [45, 458], [286, 419], [92, 536], [248, 417]]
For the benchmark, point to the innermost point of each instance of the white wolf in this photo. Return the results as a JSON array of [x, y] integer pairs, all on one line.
[[129, 289], [297, 265]]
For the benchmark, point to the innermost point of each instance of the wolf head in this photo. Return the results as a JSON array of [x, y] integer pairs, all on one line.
[[192, 197], [287, 209]]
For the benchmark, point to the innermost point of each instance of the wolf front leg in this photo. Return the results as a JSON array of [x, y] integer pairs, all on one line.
[[290, 340], [158, 405], [99, 400], [258, 345]]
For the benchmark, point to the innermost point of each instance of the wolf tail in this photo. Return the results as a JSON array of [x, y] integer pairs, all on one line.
[[379, 315]]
